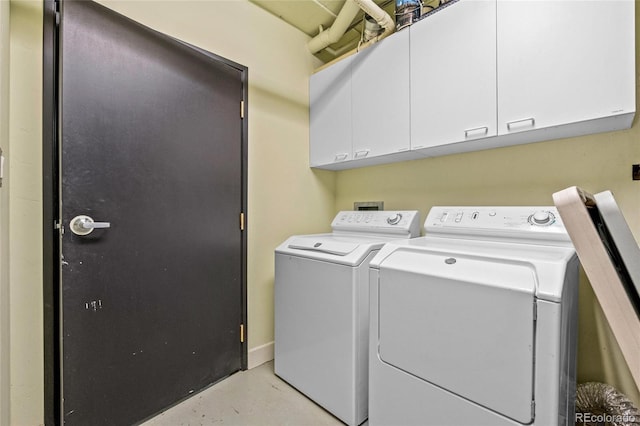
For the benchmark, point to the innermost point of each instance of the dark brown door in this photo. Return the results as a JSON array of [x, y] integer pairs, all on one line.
[[151, 146]]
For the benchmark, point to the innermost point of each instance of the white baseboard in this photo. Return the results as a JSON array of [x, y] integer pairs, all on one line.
[[259, 355]]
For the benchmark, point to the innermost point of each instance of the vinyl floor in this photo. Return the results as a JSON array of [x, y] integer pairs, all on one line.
[[255, 397]]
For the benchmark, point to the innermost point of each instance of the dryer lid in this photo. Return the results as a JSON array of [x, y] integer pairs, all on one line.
[[462, 323]]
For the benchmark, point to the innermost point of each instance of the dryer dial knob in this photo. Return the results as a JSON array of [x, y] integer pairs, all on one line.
[[394, 219], [542, 218]]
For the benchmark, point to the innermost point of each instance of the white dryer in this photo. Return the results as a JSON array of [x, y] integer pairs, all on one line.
[[322, 307], [475, 323]]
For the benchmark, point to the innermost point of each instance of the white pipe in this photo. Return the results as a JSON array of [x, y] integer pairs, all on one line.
[[337, 30], [381, 17], [344, 19]]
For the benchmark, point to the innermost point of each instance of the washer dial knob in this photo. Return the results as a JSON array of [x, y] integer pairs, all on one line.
[[542, 218], [394, 219]]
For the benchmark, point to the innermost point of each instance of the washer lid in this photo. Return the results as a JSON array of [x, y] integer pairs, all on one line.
[[324, 246], [463, 323], [347, 250]]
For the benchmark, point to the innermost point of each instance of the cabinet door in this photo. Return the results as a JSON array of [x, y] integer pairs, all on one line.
[[564, 61], [380, 88], [330, 114], [453, 75]]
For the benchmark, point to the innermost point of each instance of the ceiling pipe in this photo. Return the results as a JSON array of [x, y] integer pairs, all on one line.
[[331, 35], [381, 17], [343, 21]]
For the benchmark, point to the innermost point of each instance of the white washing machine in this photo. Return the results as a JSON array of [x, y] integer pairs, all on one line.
[[475, 323], [322, 307]]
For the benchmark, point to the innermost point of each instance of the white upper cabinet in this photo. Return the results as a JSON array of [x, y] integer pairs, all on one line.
[[330, 115], [380, 98], [478, 74], [564, 62], [453, 75]]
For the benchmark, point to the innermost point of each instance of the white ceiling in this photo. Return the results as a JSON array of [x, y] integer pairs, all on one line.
[[309, 15]]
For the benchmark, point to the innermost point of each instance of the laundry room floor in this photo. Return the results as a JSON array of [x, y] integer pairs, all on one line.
[[255, 397]]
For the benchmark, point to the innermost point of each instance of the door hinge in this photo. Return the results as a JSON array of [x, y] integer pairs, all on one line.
[[241, 333], [56, 10], [242, 221], [241, 109]]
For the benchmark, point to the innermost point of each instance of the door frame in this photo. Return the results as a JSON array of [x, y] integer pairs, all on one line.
[[51, 209]]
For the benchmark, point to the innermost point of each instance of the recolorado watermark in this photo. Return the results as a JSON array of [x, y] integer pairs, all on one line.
[[608, 418]]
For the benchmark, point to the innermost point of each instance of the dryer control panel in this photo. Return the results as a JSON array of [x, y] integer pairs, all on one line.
[[404, 223], [529, 222]]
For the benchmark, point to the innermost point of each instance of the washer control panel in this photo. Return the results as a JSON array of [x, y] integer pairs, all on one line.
[[539, 222], [397, 222]]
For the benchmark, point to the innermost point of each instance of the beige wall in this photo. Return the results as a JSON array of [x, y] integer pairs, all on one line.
[[25, 213], [285, 196], [522, 175], [4, 216]]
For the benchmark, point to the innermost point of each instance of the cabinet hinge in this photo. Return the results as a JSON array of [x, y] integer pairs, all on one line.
[[242, 221], [533, 409], [241, 333], [535, 311], [241, 109]]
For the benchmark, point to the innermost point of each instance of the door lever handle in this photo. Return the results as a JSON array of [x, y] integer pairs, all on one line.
[[84, 225], [93, 225]]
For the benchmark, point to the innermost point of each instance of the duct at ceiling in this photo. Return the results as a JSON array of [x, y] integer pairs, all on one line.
[[346, 15]]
